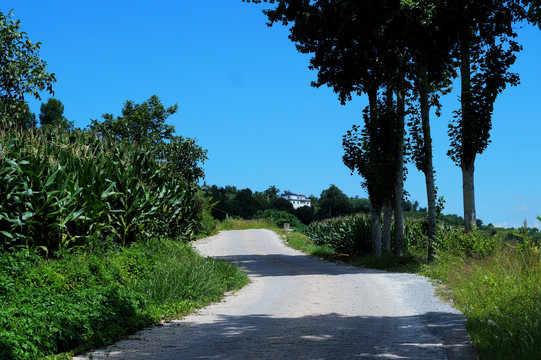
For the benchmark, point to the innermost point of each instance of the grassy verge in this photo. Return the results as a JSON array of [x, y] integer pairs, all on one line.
[[91, 298], [500, 294], [303, 243], [236, 224]]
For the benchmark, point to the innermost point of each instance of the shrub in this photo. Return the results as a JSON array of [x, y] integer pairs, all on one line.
[[280, 217], [453, 240], [88, 299]]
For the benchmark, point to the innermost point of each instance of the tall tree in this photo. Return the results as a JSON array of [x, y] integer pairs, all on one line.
[[143, 125], [140, 124], [426, 27], [485, 50], [351, 49], [333, 202], [22, 71], [52, 115], [373, 156]]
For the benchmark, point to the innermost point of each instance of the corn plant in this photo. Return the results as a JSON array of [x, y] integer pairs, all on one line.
[[58, 189]]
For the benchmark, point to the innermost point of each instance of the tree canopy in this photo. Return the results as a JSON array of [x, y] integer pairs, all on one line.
[[22, 71], [52, 115], [333, 202], [144, 125]]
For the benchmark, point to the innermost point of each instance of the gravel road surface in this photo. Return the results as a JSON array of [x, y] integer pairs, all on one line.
[[300, 307]]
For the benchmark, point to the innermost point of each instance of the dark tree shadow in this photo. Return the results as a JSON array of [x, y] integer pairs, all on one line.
[[329, 336]]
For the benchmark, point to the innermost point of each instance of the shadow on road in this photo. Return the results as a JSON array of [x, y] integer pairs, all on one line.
[[329, 336], [288, 265]]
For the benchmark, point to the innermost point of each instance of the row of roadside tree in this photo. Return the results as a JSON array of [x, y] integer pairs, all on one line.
[[404, 55]]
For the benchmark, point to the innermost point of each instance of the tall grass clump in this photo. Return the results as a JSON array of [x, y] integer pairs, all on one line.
[[500, 295], [88, 299], [59, 189], [497, 285]]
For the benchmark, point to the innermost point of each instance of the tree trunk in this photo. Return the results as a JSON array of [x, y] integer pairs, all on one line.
[[375, 209], [399, 185], [468, 194], [387, 219], [375, 217], [428, 167], [467, 153]]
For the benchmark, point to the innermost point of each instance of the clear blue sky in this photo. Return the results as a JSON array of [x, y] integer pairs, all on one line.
[[244, 93]]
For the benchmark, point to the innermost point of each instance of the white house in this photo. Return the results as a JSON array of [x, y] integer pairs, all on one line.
[[298, 200]]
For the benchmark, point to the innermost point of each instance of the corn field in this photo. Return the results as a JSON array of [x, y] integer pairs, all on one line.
[[59, 189], [353, 234]]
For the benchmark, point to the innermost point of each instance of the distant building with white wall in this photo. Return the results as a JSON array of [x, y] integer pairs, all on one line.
[[298, 200]]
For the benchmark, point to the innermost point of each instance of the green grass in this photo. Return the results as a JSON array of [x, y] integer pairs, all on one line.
[[91, 298], [240, 224], [303, 243], [500, 294]]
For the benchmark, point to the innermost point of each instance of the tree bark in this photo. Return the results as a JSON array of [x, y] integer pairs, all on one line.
[[467, 153], [468, 194], [375, 209], [428, 166], [399, 185], [375, 218], [387, 219]]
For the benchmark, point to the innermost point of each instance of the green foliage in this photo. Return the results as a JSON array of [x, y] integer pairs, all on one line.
[[303, 243], [280, 217], [139, 124], [350, 235], [305, 214], [52, 115], [143, 126], [22, 71], [92, 298], [333, 202], [59, 190], [18, 114], [372, 151], [500, 296], [282, 204], [454, 241], [241, 224], [245, 203]]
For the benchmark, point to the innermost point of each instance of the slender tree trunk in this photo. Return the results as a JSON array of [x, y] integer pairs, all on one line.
[[387, 219], [375, 209], [467, 153], [399, 185], [375, 218], [388, 204], [428, 167]]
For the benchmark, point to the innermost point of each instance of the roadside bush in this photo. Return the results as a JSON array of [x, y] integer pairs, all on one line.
[[280, 217], [452, 240], [88, 299]]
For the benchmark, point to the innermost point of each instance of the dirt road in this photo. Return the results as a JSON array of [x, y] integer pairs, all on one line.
[[300, 307]]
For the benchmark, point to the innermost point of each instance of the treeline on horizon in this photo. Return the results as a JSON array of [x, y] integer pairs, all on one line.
[[229, 201]]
